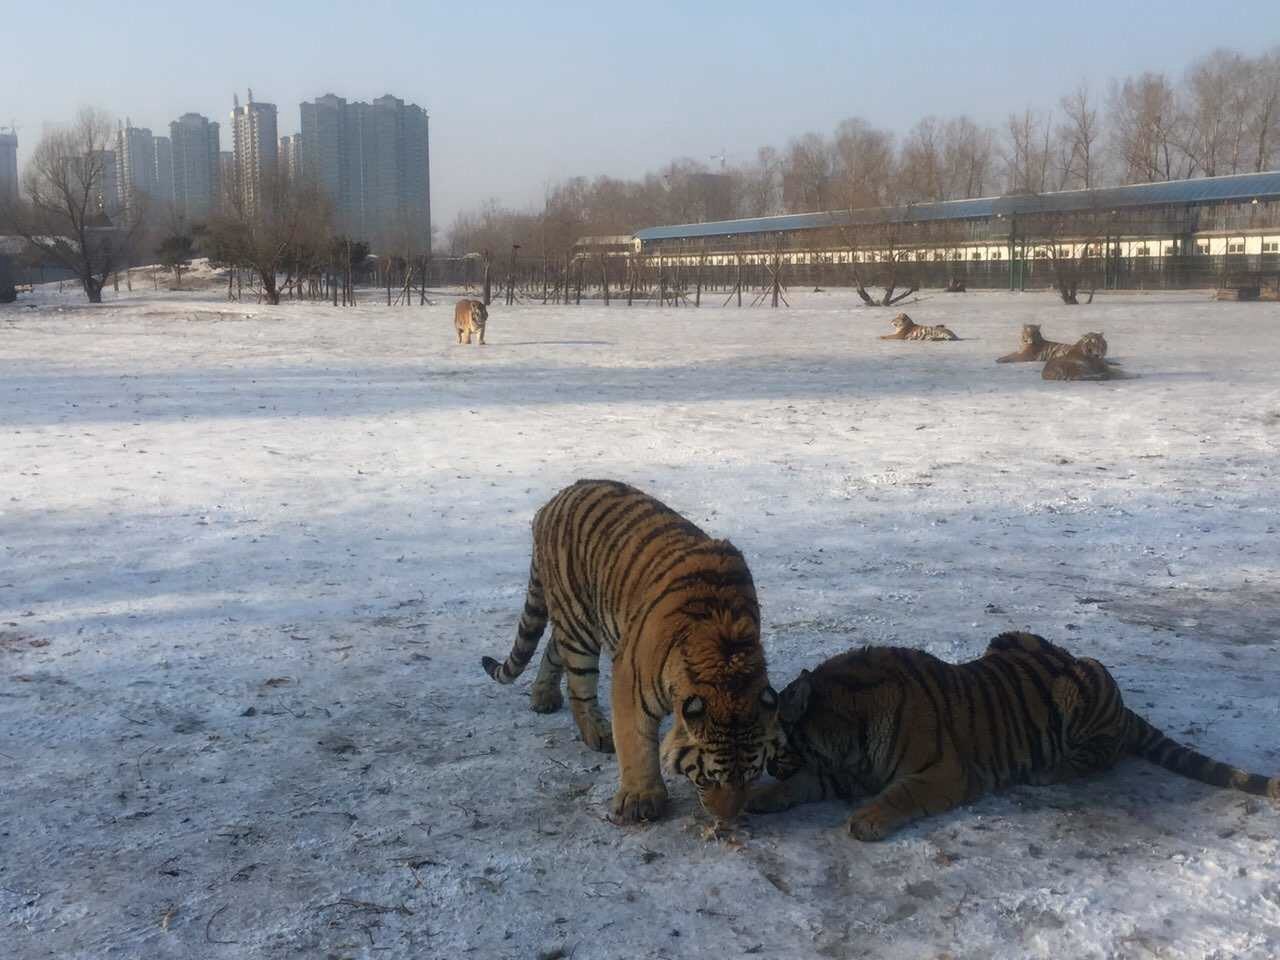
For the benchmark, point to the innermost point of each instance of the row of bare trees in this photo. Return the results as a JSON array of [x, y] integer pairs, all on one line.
[[1222, 117]]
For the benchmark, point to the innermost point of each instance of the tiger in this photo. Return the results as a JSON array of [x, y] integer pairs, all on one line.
[[615, 569], [919, 736], [904, 328], [1084, 361], [1034, 347], [470, 316]]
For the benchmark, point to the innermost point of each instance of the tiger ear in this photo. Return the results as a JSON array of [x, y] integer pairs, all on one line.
[[795, 698]]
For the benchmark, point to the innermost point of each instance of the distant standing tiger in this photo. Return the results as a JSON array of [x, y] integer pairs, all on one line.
[[470, 316], [614, 568]]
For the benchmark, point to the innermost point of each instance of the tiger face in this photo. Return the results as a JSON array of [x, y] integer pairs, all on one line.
[[1093, 345], [1030, 335], [902, 322], [721, 741]]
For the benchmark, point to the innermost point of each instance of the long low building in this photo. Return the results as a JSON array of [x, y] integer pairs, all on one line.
[[1175, 233]]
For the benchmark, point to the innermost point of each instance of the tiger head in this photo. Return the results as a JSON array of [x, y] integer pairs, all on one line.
[[479, 313], [1030, 335], [725, 726], [1093, 345], [903, 322]]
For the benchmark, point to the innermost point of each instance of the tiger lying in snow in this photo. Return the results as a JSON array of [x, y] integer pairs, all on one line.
[[904, 328], [1083, 361], [916, 736]]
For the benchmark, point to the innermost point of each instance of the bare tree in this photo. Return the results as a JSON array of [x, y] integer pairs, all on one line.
[[1146, 129], [921, 164], [1215, 126], [967, 152], [1027, 155], [806, 174], [1264, 118], [66, 212], [760, 185], [1080, 135], [285, 235], [863, 165]]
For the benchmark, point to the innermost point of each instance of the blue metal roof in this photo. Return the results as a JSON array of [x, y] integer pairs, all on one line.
[[1244, 186]]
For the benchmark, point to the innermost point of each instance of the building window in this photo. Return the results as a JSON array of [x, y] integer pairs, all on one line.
[[1092, 250], [1271, 246], [995, 255], [1170, 250], [920, 255], [1041, 254], [1143, 251], [1235, 247], [977, 255], [1202, 248]]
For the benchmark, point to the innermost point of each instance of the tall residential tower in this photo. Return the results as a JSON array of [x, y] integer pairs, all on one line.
[[256, 146], [195, 166], [8, 165]]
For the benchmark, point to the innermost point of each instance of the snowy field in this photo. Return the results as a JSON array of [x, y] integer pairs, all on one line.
[[250, 557]]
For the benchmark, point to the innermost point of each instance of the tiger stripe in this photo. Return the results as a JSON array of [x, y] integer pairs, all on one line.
[[617, 571]]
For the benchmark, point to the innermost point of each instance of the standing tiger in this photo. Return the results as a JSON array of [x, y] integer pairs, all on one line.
[[1083, 361], [1032, 346], [613, 568], [904, 328], [919, 736], [470, 316]]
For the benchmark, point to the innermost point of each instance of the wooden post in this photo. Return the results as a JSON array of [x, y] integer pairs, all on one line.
[[511, 275], [631, 279], [604, 277], [578, 286], [488, 288], [697, 292]]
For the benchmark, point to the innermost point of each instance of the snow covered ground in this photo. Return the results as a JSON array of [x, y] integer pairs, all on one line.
[[250, 557]]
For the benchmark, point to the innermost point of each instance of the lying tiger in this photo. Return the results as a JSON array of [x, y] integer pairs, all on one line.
[[615, 569], [470, 316], [1032, 346], [919, 736], [1085, 360], [904, 328]]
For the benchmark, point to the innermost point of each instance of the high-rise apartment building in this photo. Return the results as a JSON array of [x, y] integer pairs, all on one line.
[[196, 166], [8, 166], [290, 154], [164, 173], [253, 135], [373, 159], [136, 167]]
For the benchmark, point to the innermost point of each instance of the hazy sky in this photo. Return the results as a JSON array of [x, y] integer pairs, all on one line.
[[521, 94]]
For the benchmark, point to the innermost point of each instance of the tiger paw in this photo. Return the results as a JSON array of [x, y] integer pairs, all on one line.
[[868, 826], [595, 729], [545, 699], [769, 799], [631, 805], [598, 736]]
